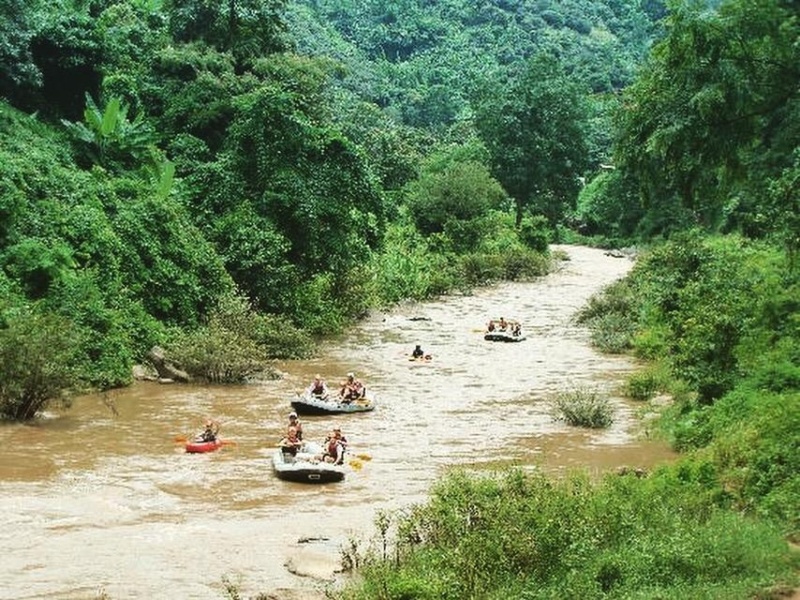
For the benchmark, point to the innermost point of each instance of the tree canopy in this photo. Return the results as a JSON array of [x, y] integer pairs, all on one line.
[[712, 120]]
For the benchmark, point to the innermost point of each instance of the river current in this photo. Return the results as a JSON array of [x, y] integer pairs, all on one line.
[[100, 500]]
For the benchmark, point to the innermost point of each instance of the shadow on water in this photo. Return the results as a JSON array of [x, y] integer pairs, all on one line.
[[103, 497]]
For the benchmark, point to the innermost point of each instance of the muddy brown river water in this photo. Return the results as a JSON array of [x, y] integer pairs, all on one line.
[[98, 501]]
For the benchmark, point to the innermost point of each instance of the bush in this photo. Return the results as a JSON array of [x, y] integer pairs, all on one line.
[[37, 352], [617, 298], [275, 334], [228, 349], [520, 265], [409, 268], [643, 385], [583, 407], [217, 355], [534, 232], [613, 333], [519, 535]]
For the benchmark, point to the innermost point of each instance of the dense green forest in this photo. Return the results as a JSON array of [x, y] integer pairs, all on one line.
[[231, 180]]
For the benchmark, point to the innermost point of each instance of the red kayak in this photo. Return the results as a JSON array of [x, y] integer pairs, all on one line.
[[196, 447]]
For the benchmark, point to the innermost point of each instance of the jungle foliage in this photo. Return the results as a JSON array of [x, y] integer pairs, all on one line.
[[230, 179], [708, 132], [160, 159]]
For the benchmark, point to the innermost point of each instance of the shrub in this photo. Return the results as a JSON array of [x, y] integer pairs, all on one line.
[[613, 333], [643, 385], [229, 349], [519, 535], [480, 269], [534, 232], [409, 267], [217, 355], [617, 298], [275, 334], [525, 264], [583, 407], [37, 352]]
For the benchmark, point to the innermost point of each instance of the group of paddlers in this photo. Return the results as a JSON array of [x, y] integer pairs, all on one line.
[[350, 389], [333, 448]]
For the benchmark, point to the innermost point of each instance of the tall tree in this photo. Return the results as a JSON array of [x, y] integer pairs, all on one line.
[[713, 118], [246, 28], [535, 132]]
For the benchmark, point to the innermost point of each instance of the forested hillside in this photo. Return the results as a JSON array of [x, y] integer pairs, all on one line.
[[230, 179], [168, 162], [426, 62]]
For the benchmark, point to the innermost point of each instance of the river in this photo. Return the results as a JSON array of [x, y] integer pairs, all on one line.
[[100, 501]]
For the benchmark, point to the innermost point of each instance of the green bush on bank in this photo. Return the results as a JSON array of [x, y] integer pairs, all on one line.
[[37, 354], [530, 536], [719, 320]]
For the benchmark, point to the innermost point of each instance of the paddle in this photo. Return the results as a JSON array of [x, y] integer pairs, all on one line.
[[358, 461]]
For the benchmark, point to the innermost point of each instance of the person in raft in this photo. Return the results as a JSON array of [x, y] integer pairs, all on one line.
[[294, 423], [291, 443], [318, 388], [209, 433], [419, 354], [334, 447], [352, 389]]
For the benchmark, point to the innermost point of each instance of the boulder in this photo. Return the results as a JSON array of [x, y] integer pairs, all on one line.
[[166, 370]]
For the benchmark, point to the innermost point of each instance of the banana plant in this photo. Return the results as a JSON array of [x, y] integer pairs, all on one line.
[[110, 139]]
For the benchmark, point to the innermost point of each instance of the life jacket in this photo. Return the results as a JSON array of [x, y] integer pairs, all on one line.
[[354, 389], [336, 448], [207, 435]]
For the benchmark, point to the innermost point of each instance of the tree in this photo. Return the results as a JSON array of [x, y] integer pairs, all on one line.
[[36, 354], [246, 28], [18, 26], [535, 131], [713, 117], [463, 192], [303, 175]]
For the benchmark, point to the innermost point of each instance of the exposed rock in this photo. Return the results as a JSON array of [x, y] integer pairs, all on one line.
[[306, 562], [167, 372], [144, 373], [637, 471], [288, 594], [308, 539]]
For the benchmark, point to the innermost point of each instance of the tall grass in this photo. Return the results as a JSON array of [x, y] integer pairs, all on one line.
[[582, 407], [529, 536]]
